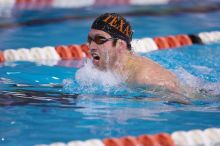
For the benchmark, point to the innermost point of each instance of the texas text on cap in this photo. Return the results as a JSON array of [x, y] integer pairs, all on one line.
[[115, 25]]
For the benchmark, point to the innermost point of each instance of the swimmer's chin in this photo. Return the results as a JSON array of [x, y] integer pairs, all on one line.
[[95, 62], [98, 66]]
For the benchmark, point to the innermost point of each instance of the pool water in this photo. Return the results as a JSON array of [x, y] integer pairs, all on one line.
[[45, 104]]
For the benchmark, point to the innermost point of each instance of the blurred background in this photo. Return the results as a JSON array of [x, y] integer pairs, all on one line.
[[84, 9], [17, 15], [86, 111]]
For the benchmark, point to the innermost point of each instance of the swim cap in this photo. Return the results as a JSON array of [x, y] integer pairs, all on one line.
[[115, 25]]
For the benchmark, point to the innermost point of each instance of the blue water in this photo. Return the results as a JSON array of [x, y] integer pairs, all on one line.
[[46, 104]]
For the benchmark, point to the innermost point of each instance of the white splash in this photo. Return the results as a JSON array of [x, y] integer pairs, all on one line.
[[196, 84], [187, 78], [202, 69], [91, 79]]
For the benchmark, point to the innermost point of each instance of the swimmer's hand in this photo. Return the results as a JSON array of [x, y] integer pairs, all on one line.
[[168, 99]]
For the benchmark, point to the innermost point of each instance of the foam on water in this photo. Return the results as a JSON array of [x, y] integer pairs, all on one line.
[[198, 85], [90, 75], [89, 80]]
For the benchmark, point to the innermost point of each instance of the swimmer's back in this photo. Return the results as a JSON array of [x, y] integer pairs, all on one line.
[[144, 71]]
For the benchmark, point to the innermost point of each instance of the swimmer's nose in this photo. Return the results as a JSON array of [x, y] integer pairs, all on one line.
[[93, 50], [92, 45]]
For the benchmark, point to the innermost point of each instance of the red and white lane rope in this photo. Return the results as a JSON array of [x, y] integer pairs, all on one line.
[[45, 53], [7, 6], [207, 137], [149, 2], [72, 3], [144, 45], [79, 52], [170, 42], [209, 37], [36, 4]]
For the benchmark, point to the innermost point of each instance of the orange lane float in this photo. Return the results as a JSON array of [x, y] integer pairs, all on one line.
[[164, 139], [172, 41], [184, 40], [86, 50], [76, 52], [147, 140], [129, 141], [112, 2], [64, 52], [161, 43], [1, 57], [32, 4], [112, 142]]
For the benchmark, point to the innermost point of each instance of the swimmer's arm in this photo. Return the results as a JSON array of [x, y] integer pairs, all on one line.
[[146, 79], [158, 77], [142, 78]]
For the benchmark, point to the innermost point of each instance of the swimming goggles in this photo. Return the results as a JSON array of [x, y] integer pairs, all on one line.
[[99, 39]]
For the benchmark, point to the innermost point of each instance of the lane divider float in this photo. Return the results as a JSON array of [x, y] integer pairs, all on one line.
[[39, 4], [207, 137], [78, 52], [184, 40], [61, 52], [2, 58], [8, 7], [161, 42]]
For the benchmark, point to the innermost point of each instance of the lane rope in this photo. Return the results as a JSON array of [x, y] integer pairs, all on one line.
[[39, 4], [207, 137], [78, 52]]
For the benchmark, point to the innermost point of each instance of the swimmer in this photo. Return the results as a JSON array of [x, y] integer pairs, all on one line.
[[109, 41]]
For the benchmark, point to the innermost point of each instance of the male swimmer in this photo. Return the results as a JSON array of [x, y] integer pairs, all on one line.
[[109, 41]]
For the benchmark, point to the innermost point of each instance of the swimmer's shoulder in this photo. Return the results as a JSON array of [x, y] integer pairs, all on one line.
[[150, 72]]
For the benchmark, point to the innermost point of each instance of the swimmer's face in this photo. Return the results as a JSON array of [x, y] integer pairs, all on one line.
[[103, 52]]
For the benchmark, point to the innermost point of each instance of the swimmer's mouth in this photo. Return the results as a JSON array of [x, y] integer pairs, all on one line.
[[95, 56]]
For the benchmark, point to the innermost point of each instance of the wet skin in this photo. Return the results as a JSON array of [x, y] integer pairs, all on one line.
[[133, 69]]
